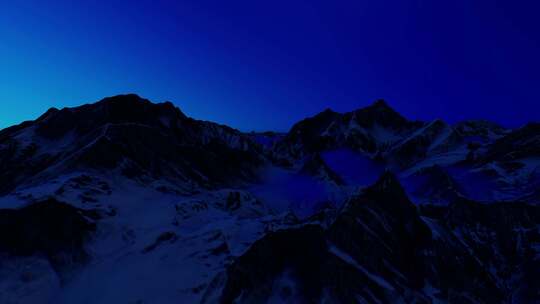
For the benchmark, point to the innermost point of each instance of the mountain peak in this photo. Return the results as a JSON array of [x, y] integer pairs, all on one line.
[[328, 111], [380, 103], [141, 105], [119, 109], [380, 113], [129, 99], [49, 112], [124, 96]]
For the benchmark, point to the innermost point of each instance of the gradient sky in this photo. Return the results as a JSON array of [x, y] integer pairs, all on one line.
[[259, 65]]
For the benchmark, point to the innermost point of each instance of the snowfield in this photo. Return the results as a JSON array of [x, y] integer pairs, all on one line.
[[156, 248]]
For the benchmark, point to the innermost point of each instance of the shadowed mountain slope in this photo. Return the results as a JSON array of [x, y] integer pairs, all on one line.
[[128, 134]]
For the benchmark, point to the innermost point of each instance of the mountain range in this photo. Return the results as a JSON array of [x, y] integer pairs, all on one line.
[[129, 201]]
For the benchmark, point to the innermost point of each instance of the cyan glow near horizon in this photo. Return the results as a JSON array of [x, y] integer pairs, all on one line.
[[264, 65]]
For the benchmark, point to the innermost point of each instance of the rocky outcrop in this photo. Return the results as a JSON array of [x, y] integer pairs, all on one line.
[[434, 185], [49, 228]]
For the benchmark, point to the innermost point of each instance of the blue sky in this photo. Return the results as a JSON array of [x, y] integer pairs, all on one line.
[[264, 65]]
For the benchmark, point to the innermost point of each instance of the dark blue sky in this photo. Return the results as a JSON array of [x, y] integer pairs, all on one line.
[[266, 64]]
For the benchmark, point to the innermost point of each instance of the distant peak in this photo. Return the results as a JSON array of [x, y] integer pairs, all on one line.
[[124, 98], [378, 106], [380, 103], [168, 104], [328, 110], [129, 102], [379, 113], [119, 109], [327, 113], [49, 112]]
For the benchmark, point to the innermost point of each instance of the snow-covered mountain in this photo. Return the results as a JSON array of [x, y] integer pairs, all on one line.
[[128, 201], [366, 130], [487, 161]]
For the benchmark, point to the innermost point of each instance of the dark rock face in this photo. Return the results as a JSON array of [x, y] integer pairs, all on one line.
[[50, 228], [504, 236], [435, 185], [383, 212], [254, 272], [380, 249], [127, 133], [301, 255], [17, 163], [382, 230]]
